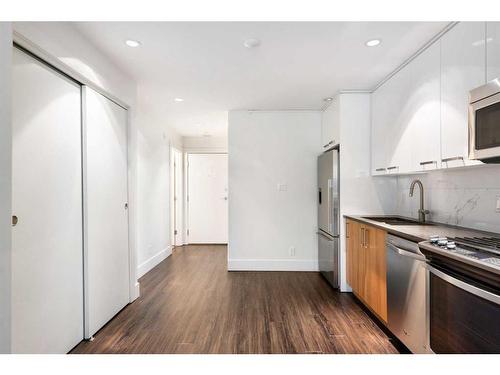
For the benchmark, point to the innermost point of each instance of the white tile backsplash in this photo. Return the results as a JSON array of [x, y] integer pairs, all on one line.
[[464, 197]]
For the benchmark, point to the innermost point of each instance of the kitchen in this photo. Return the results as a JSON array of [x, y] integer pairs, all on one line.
[[350, 170], [433, 283]]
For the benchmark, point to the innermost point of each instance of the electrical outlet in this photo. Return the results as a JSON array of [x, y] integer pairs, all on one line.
[[291, 251], [498, 204]]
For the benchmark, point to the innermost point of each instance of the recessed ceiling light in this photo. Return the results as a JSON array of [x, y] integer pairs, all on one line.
[[373, 43], [251, 43], [132, 43], [178, 100], [329, 99]]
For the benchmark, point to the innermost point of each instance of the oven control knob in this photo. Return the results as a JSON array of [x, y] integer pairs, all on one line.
[[451, 245], [434, 239], [442, 241]]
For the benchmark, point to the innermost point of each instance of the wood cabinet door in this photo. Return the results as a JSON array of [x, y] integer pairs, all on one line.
[[352, 228], [375, 291], [361, 263]]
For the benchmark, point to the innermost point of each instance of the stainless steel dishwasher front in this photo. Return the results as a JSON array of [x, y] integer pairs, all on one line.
[[407, 316]]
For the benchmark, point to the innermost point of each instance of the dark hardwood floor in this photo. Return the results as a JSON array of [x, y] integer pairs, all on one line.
[[190, 304]]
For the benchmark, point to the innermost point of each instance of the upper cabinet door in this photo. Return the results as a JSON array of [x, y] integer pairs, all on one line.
[[379, 139], [493, 50], [390, 140], [463, 67], [422, 110], [330, 126]]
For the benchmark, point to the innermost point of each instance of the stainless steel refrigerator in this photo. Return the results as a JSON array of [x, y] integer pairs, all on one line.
[[328, 216]]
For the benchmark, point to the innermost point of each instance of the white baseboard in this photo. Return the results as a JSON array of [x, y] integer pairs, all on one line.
[[149, 264], [272, 265]]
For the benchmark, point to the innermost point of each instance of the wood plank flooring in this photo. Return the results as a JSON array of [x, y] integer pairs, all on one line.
[[190, 304]]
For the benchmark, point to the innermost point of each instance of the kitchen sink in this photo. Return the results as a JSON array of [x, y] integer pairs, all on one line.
[[395, 220]]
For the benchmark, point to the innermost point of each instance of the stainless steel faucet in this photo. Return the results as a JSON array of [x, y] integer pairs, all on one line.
[[421, 211]]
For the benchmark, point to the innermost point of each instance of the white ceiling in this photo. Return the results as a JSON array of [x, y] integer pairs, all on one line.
[[295, 67]]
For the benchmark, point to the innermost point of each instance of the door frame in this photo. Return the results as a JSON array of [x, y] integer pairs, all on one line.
[[186, 185], [26, 45], [180, 197]]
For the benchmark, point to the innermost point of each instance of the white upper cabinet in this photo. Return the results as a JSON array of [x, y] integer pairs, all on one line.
[[330, 126], [463, 67], [405, 117], [493, 50], [421, 114], [380, 124]]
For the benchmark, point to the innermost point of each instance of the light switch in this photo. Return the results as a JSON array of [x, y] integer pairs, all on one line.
[[282, 187]]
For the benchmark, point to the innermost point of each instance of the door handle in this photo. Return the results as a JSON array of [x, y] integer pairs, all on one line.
[[428, 162], [14, 220], [481, 293], [446, 160], [404, 252]]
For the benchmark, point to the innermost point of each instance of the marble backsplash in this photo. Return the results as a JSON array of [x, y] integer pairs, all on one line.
[[464, 197]]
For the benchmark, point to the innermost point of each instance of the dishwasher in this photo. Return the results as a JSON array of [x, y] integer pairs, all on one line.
[[407, 316]]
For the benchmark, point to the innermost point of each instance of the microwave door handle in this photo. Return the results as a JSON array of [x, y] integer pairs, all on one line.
[[464, 286]]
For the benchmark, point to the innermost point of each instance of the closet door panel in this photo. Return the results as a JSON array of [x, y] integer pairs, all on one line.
[[106, 215], [47, 248]]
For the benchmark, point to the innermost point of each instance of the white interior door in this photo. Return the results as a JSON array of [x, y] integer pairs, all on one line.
[[207, 198], [106, 215], [47, 248]]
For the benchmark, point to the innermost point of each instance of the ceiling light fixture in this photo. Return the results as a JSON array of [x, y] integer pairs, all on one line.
[[132, 43], [178, 100], [329, 99], [251, 43], [373, 43]]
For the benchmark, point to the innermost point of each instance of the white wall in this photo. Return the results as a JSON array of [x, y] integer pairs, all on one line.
[[267, 149], [153, 176], [5, 184], [359, 192], [464, 197]]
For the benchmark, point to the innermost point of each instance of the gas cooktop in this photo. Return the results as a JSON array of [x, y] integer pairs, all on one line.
[[484, 250]]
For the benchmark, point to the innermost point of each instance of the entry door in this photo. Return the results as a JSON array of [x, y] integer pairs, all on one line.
[[207, 198], [107, 265], [47, 248]]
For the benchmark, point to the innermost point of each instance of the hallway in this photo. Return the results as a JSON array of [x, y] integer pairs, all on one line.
[[190, 304]]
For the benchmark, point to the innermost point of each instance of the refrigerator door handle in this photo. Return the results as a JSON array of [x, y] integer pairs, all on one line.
[[330, 208]]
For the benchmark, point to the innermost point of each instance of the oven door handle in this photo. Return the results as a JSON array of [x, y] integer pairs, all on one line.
[[464, 286]]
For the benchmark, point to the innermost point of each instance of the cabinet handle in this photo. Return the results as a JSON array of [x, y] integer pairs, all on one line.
[[380, 169], [428, 162], [390, 168], [367, 237], [362, 230], [347, 230], [446, 160]]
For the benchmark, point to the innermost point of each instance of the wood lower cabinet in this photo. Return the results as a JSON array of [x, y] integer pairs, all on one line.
[[366, 265]]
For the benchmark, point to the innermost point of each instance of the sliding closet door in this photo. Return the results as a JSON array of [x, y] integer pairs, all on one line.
[[47, 264], [106, 215]]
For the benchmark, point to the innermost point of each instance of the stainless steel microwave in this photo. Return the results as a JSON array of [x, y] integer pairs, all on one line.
[[484, 122]]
